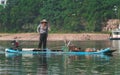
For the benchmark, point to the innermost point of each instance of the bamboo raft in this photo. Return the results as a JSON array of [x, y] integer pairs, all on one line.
[[59, 51]]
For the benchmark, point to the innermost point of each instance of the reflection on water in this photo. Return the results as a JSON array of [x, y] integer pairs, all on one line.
[[116, 44], [61, 64], [17, 64]]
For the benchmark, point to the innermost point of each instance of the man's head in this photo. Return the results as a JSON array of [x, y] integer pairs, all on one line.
[[44, 21]]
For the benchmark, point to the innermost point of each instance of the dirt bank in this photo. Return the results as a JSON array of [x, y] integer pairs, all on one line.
[[55, 37]]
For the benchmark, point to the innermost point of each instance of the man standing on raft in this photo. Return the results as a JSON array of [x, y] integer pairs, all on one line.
[[42, 29]]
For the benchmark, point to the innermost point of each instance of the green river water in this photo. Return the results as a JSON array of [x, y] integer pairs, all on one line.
[[60, 64]]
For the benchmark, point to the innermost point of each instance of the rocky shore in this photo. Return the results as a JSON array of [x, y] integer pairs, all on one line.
[[55, 37]]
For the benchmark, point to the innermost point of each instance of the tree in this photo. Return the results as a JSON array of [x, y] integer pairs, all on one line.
[[63, 15]]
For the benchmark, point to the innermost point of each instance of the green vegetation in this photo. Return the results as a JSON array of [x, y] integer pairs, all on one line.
[[63, 15]]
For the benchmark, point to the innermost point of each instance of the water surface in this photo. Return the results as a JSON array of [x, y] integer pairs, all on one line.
[[60, 64]]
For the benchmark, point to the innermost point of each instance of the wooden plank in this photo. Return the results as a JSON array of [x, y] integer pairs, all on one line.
[[37, 49], [28, 49], [58, 50]]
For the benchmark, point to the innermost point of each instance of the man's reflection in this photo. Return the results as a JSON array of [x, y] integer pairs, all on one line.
[[42, 65]]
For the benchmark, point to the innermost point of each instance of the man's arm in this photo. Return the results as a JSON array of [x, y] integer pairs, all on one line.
[[38, 29]]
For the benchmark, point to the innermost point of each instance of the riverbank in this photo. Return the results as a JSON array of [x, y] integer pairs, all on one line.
[[55, 37]]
